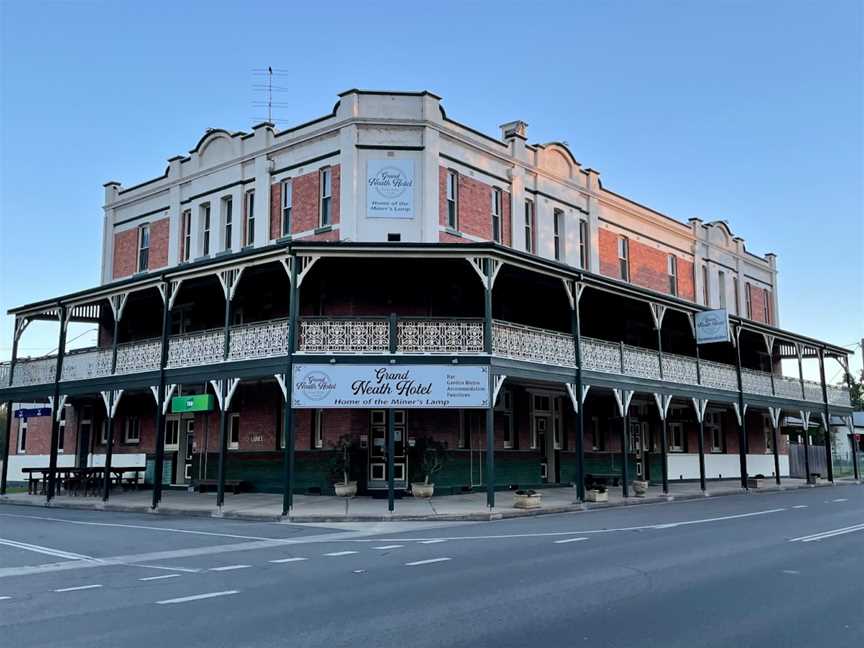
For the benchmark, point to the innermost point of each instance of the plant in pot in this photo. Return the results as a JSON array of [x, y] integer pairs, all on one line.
[[597, 493], [640, 487], [340, 469], [526, 499], [432, 455]]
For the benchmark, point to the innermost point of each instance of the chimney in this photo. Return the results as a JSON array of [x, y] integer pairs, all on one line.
[[513, 129]]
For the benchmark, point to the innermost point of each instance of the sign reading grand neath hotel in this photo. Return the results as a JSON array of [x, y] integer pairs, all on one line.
[[390, 188], [322, 386], [712, 326]]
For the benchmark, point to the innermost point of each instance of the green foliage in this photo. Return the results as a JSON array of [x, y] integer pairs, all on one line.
[[857, 392], [432, 457], [341, 465]]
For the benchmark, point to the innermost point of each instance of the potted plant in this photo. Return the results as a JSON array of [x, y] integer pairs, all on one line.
[[640, 487], [597, 493], [432, 457], [341, 467], [526, 499]]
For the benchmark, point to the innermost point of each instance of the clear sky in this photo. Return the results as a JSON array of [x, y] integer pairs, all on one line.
[[748, 111]]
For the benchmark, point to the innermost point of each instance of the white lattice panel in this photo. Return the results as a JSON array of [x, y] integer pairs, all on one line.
[[599, 355], [718, 375], [439, 335], [325, 335], [756, 382], [533, 344], [838, 395], [259, 340], [641, 363], [35, 372], [787, 387], [135, 357], [193, 349], [680, 369], [82, 365]]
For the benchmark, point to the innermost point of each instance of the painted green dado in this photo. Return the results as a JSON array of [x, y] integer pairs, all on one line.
[[262, 471]]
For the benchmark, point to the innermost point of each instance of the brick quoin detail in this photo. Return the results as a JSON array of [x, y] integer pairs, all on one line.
[[306, 193], [474, 209]]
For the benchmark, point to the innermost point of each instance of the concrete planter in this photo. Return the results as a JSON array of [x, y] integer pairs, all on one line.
[[422, 490], [528, 500], [345, 490], [640, 487], [597, 496]]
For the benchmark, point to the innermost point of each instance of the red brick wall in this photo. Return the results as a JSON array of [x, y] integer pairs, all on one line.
[[38, 436], [686, 280], [306, 200], [159, 244], [275, 210], [125, 253], [608, 244], [759, 297], [474, 209], [648, 266]]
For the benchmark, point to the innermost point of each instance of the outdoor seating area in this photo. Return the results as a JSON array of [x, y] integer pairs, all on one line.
[[83, 481]]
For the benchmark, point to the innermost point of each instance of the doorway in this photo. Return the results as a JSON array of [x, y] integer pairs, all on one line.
[[377, 457], [546, 434], [639, 446]]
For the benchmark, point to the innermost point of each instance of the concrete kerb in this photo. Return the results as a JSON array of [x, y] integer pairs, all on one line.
[[496, 514]]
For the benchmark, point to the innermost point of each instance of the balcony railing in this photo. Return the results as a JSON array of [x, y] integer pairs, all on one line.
[[413, 335]]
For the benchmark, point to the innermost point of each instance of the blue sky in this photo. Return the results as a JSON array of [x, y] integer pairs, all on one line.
[[744, 111]]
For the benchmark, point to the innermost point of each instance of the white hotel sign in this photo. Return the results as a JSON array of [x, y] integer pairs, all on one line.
[[373, 386], [390, 188]]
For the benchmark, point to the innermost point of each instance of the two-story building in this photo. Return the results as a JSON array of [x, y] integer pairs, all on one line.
[[385, 276]]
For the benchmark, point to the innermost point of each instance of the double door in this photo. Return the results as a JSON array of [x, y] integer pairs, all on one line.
[[640, 448], [179, 448], [378, 475]]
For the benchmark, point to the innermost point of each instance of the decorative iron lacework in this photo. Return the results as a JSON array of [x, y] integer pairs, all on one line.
[[35, 372], [81, 365], [4, 374], [362, 335], [258, 340], [718, 375], [134, 357], [534, 344], [756, 382], [680, 369], [838, 395], [787, 387], [424, 335], [641, 363], [192, 349], [599, 355], [813, 392]]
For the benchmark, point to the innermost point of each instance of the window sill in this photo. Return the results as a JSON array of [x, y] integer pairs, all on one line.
[[323, 229], [284, 239], [452, 232]]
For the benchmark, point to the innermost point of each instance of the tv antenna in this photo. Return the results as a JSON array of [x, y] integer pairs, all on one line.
[[263, 83]]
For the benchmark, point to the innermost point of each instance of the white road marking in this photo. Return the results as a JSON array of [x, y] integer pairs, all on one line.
[[57, 553], [286, 560], [340, 553], [815, 537], [197, 597], [188, 570], [436, 541], [791, 571], [840, 499], [5, 598], [164, 576], [389, 547], [426, 562], [799, 506], [75, 589], [230, 567], [569, 540]]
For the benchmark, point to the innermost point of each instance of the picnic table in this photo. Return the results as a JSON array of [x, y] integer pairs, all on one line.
[[81, 480]]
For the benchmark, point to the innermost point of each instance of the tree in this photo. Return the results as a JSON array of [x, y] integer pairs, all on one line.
[[856, 393]]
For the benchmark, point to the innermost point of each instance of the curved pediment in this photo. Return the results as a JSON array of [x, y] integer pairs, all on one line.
[[557, 159]]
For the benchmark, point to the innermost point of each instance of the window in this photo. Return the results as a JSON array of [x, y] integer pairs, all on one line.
[[205, 229], [249, 229], [529, 226], [714, 428], [672, 270], [676, 437], [452, 198], [61, 431], [624, 258], [766, 311], [234, 432], [749, 304], [227, 210], [558, 233], [22, 436], [287, 201], [721, 289], [143, 247], [504, 411], [132, 430], [768, 431], [737, 296], [598, 435], [583, 244], [317, 428], [706, 295], [186, 235], [103, 433], [326, 179], [172, 434], [469, 427], [496, 214]]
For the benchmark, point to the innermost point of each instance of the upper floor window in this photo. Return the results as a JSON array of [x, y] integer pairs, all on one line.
[[721, 288], [496, 214], [583, 244], [766, 309], [205, 229], [672, 270], [749, 302], [706, 294], [287, 201], [326, 178], [529, 226], [132, 430], [624, 258], [737, 297], [452, 200], [227, 210], [143, 247], [249, 228], [186, 235], [558, 233]]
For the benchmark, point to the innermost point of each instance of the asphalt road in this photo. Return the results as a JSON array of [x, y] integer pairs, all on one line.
[[783, 569]]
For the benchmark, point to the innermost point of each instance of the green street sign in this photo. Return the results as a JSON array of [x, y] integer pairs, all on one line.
[[192, 403]]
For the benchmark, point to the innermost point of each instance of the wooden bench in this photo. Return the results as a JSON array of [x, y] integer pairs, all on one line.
[[603, 479], [234, 485]]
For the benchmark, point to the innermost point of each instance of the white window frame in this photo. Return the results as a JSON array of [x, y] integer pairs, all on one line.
[[672, 271], [232, 444], [23, 426], [143, 247], [583, 243], [558, 234], [249, 220], [597, 435], [706, 288], [227, 221], [624, 258], [504, 407], [317, 429], [452, 189], [206, 217], [130, 425], [61, 431], [287, 204], [766, 310], [736, 287], [529, 226], [169, 445], [749, 300], [676, 428], [769, 434], [497, 225], [185, 234], [721, 289], [325, 203], [103, 432], [714, 428]]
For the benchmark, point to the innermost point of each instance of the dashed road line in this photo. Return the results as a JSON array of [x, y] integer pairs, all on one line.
[[286, 560], [426, 562], [384, 547], [163, 577], [840, 499], [799, 506], [229, 568], [435, 541], [570, 540], [197, 597], [5, 598], [76, 589], [333, 554], [831, 533]]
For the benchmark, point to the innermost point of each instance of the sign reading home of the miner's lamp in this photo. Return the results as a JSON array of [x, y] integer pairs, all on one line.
[[390, 188], [321, 386], [192, 403], [712, 326]]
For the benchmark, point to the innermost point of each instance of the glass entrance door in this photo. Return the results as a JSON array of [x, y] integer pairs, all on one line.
[[378, 450], [638, 446]]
